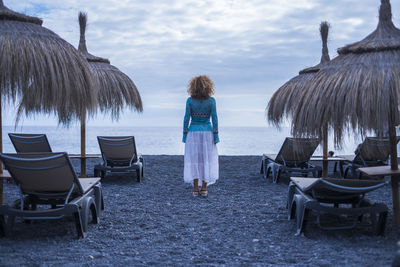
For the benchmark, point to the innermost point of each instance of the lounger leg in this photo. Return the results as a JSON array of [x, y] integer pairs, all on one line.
[[341, 172], [354, 173], [291, 192], [301, 213], [89, 207], [99, 171], [317, 173], [93, 211], [78, 224], [10, 223], [274, 174], [381, 223], [3, 226], [266, 170], [262, 169], [98, 195], [292, 210], [345, 172], [276, 171], [139, 174]]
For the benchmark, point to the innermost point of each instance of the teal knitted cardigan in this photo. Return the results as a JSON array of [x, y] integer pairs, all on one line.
[[200, 111]]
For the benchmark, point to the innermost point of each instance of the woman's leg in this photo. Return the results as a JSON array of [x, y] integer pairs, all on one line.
[[195, 187], [203, 190]]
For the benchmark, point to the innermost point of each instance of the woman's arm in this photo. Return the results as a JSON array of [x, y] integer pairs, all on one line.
[[186, 120], [214, 119]]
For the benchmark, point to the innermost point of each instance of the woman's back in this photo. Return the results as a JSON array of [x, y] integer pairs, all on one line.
[[201, 109]]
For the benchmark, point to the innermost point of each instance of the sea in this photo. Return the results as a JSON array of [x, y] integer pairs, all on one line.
[[168, 140]]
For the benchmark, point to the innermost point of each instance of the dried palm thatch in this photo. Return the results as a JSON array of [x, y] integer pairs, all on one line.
[[43, 71], [285, 100], [116, 89], [359, 89]]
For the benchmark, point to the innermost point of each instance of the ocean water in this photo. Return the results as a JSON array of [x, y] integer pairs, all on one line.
[[168, 140]]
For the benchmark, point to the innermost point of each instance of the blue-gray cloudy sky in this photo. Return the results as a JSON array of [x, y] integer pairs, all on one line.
[[248, 47]]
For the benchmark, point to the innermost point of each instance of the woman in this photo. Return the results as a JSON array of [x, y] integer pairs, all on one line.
[[200, 138]]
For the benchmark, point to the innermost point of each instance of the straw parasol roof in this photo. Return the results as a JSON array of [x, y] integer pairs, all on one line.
[[116, 89], [41, 70], [285, 100], [359, 89]]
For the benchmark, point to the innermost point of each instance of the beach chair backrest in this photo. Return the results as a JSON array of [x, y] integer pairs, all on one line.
[[26, 143], [373, 149], [118, 148], [297, 150], [342, 189], [42, 172]]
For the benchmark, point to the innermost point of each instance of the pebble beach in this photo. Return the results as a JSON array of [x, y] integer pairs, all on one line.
[[243, 222]]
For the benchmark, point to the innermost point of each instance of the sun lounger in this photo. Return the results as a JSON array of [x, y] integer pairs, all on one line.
[[26, 143], [374, 151], [293, 157], [339, 197], [119, 155], [50, 189]]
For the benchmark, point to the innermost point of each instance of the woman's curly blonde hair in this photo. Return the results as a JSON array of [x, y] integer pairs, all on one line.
[[201, 87]]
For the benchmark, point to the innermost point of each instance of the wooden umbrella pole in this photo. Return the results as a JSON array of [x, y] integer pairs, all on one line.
[[325, 152], [395, 179], [83, 146], [1, 151], [1, 136]]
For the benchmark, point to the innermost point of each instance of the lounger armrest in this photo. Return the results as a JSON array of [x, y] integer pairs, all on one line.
[[88, 183]]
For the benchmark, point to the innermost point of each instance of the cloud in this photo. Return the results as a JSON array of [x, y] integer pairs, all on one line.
[[247, 46]]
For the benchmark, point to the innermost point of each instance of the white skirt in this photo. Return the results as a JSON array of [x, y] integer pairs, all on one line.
[[201, 158]]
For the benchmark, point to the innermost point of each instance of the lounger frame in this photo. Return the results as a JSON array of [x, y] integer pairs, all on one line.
[[293, 157], [119, 156], [335, 197], [374, 151], [49, 179]]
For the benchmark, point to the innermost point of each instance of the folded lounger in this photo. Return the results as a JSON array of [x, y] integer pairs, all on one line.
[[119, 155], [325, 195], [293, 157], [373, 151], [26, 143], [50, 189]]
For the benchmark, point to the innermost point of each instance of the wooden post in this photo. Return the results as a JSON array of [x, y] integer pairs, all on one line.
[[1, 151], [325, 152], [83, 146], [395, 179]]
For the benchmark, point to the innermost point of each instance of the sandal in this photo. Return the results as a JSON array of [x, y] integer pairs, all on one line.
[[204, 193]]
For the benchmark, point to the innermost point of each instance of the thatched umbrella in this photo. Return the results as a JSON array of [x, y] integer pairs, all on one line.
[[285, 101], [116, 90], [358, 90], [41, 70]]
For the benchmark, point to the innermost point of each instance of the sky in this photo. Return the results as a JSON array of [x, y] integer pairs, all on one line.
[[249, 48]]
